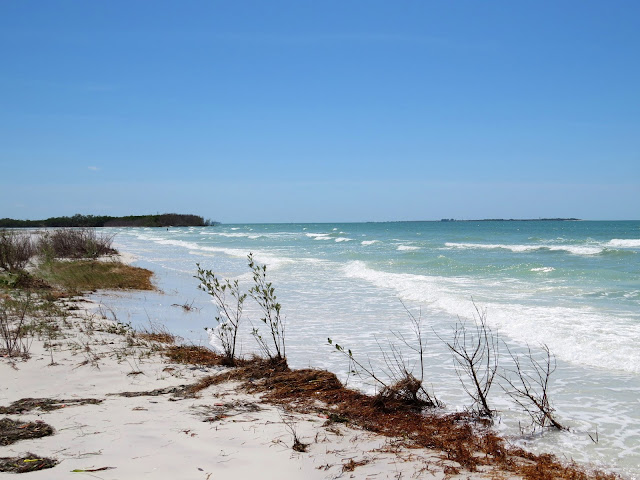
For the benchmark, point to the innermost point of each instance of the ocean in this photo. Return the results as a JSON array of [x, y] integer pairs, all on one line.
[[573, 286]]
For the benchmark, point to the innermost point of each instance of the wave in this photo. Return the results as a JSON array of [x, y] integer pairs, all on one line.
[[343, 239], [369, 242], [319, 236], [269, 259], [573, 249], [230, 235], [624, 243], [577, 334], [543, 269], [407, 248]]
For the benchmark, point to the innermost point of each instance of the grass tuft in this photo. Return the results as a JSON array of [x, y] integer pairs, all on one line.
[[88, 275], [157, 333], [194, 355]]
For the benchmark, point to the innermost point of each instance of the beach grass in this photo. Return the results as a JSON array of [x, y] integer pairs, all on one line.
[[90, 275]]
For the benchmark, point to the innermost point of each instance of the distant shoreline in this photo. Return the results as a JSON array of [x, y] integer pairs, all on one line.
[[514, 220]]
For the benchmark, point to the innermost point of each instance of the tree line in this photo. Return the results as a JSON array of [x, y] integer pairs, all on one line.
[[78, 220]]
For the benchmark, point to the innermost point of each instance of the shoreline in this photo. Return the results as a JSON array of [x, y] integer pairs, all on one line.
[[98, 357], [223, 432]]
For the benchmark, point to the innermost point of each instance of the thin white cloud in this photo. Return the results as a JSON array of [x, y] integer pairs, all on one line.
[[94, 169]]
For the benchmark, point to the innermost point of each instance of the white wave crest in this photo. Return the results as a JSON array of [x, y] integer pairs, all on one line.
[[543, 269], [229, 235], [369, 242], [407, 248], [624, 243], [573, 249], [569, 331], [269, 259], [343, 239], [318, 236]]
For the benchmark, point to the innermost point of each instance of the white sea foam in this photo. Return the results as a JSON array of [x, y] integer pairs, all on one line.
[[573, 249], [229, 235], [624, 243], [543, 269], [577, 249], [269, 259], [369, 242], [581, 335], [318, 236], [407, 248], [343, 239]]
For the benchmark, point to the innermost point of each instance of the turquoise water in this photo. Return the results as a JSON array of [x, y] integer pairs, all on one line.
[[574, 286]]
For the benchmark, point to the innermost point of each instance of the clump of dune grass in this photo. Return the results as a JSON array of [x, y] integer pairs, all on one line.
[[90, 275], [194, 355], [157, 333]]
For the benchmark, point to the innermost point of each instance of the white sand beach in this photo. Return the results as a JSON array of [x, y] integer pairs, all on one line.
[[221, 433]]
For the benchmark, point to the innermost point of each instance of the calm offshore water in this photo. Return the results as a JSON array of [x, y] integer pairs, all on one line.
[[574, 286]]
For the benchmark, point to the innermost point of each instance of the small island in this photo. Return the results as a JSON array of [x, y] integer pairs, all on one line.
[[78, 220], [514, 220]]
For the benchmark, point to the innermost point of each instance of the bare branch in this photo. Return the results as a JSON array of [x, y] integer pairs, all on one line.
[[476, 356], [530, 388]]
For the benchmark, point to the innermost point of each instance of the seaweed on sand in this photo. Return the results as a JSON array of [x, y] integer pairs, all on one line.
[[44, 404], [29, 462], [12, 431]]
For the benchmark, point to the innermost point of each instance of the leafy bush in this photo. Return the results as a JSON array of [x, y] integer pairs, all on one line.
[[229, 310], [264, 294], [229, 300]]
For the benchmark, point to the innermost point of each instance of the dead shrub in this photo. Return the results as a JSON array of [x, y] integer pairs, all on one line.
[[459, 435], [15, 338], [395, 378], [529, 387], [75, 243], [16, 249], [476, 356]]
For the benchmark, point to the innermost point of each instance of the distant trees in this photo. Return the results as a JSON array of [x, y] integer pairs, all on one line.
[[78, 220]]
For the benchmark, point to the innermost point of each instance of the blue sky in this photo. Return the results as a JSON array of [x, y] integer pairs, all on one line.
[[274, 111]]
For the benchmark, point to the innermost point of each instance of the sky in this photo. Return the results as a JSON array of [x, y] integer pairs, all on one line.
[[301, 111]]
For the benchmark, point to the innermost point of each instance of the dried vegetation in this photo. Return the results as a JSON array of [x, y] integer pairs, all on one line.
[[29, 462], [460, 437], [12, 431]]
